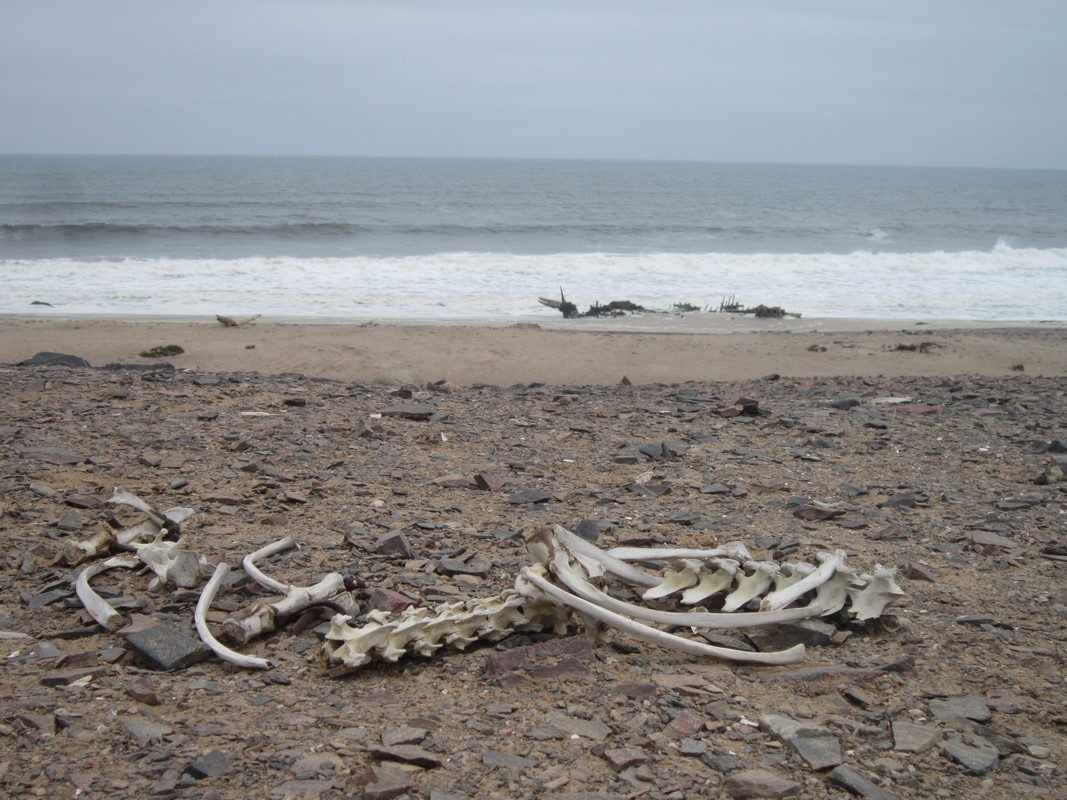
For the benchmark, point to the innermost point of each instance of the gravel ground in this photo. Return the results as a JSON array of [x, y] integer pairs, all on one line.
[[421, 494]]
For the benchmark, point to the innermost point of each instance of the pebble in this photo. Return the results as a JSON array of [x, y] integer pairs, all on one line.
[[213, 762]]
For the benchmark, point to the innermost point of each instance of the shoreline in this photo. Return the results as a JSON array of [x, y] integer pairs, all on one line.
[[655, 348]]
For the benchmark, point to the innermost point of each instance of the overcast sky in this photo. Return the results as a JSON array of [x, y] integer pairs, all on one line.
[[932, 82]]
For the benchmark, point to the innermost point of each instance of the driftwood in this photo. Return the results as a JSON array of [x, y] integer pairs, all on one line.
[[230, 322]]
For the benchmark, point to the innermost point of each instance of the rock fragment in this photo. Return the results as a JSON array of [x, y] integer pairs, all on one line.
[[759, 783], [164, 648]]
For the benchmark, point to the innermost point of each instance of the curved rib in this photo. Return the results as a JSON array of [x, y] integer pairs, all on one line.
[[200, 617], [108, 618], [577, 583], [249, 564], [658, 637], [615, 566]]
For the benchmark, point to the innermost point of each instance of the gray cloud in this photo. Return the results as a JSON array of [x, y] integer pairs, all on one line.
[[957, 82]]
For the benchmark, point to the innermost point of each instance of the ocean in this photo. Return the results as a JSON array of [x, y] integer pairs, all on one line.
[[482, 239]]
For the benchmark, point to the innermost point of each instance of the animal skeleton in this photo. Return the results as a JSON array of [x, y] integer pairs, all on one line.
[[567, 574]]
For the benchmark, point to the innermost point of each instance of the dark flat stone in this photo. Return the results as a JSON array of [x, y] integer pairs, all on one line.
[[529, 496], [847, 778], [212, 763], [54, 360], [419, 413], [163, 648], [53, 455]]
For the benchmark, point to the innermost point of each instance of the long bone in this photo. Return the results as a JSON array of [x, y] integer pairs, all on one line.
[[264, 617], [638, 630], [75, 552], [200, 617], [108, 618], [735, 550], [169, 520], [616, 566]]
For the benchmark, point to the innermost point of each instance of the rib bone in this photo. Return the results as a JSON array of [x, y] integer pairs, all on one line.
[[200, 617], [107, 617], [530, 575]]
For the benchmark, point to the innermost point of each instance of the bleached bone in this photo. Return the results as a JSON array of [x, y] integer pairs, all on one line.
[[253, 571], [169, 520], [564, 578], [868, 601], [265, 617], [423, 631], [581, 586], [529, 575], [711, 582], [108, 618], [616, 566], [173, 564], [200, 617], [780, 598], [734, 550], [834, 593], [754, 578], [99, 544], [675, 580]]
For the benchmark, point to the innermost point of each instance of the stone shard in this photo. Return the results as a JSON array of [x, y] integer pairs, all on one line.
[[759, 783], [847, 778], [814, 743]]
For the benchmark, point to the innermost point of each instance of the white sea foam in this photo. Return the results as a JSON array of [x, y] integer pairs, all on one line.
[[1003, 283]]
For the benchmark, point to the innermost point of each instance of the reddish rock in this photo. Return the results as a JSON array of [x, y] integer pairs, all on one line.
[[489, 483], [687, 723], [621, 758]]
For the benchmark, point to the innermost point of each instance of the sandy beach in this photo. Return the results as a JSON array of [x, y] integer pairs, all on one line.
[[644, 349]]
